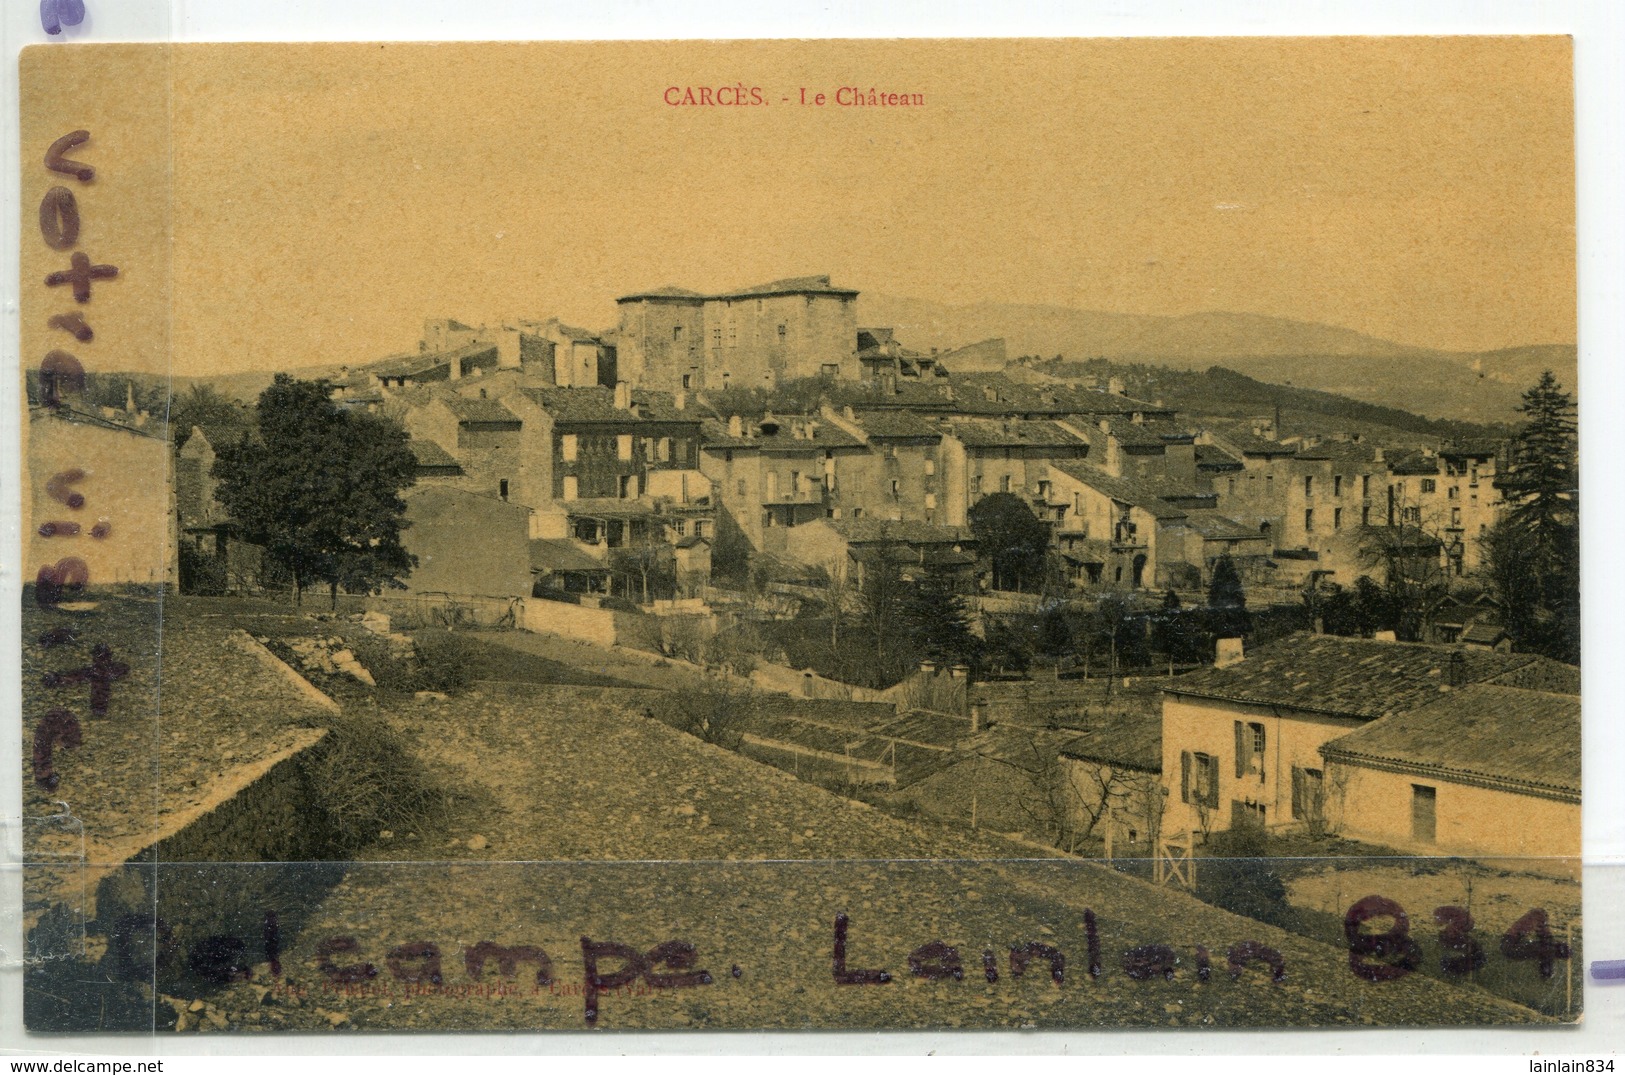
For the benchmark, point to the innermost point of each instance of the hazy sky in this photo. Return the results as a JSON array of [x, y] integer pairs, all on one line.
[[329, 198]]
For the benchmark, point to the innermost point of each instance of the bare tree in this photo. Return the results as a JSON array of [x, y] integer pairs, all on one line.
[[717, 710]]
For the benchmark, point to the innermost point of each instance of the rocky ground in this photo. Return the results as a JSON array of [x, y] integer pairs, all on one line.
[[611, 826], [581, 821]]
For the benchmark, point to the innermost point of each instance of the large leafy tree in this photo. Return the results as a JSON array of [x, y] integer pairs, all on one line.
[[1534, 550], [1013, 539], [320, 490]]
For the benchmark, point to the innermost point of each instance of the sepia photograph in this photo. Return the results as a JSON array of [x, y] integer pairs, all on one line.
[[784, 535]]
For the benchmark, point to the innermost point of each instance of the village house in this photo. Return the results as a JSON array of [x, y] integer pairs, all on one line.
[[626, 465], [848, 549], [1114, 773], [674, 339], [981, 457], [1134, 533], [1242, 741], [202, 523], [898, 476], [777, 472], [497, 447], [1487, 770]]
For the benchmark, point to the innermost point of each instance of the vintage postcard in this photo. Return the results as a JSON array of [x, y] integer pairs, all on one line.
[[800, 534]]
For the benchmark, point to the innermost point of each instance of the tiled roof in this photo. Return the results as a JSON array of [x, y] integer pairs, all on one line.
[[795, 285], [1151, 433], [1413, 461], [1015, 434], [1515, 739], [1130, 739], [430, 454], [896, 425], [558, 554], [1212, 456], [1471, 449], [580, 335], [818, 434], [1248, 444], [597, 404], [484, 411], [906, 531], [663, 293], [1348, 677], [413, 365], [1127, 490], [1339, 451]]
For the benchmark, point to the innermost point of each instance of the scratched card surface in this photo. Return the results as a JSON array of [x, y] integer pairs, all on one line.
[[800, 535]]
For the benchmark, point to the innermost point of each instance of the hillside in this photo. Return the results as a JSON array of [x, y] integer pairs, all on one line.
[[1462, 386], [1218, 392]]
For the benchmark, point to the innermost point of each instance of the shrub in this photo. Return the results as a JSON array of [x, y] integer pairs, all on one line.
[[1239, 875], [365, 777]]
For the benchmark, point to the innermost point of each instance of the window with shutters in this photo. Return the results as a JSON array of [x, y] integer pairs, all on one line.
[[1249, 750], [1199, 779]]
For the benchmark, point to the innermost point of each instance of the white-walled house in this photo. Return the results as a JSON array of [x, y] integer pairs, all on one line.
[[1486, 770], [1244, 742]]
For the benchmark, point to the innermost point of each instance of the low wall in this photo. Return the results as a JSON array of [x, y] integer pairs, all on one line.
[[600, 626], [254, 846], [938, 690], [449, 609], [804, 684]]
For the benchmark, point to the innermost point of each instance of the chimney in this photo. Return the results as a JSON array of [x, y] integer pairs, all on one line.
[[1229, 652], [129, 397], [1377, 457], [1384, 636], [846, 412], [623, 396], [679, 399], [977, 717], [736, 426], [1114, 385]]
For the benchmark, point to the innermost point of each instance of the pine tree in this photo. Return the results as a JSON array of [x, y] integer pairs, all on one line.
[[938, 624], [1534, 551], [1227, 600]]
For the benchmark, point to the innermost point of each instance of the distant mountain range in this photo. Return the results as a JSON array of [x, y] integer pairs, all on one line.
[[1472, 386]]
